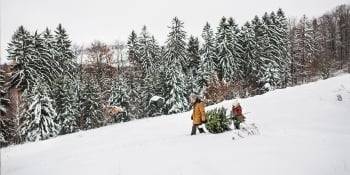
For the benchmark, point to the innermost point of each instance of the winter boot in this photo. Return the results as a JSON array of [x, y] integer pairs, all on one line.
[[237, 126], [201, 130], [194, 129]]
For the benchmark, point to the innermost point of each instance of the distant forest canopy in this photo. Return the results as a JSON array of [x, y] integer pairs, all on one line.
[[52, 88]]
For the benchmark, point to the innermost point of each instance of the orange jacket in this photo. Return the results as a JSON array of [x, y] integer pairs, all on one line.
[[198, 113]]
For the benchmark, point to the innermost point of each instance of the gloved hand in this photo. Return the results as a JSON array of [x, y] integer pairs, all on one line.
[[191, 117], [204, 121]]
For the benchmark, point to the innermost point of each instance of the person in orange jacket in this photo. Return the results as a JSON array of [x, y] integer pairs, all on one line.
[[198, 115]]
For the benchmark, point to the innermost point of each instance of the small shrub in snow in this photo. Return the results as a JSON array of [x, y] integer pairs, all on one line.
[[217, 121]]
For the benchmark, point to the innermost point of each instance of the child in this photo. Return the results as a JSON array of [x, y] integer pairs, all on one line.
[[236, 114]]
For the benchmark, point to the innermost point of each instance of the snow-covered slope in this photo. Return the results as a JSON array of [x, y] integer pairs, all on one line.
[[304, 130]]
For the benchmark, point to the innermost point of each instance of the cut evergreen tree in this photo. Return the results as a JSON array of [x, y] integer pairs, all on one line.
[[217, 120]]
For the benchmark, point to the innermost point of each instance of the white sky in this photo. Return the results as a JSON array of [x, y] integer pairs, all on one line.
[[110, 20]]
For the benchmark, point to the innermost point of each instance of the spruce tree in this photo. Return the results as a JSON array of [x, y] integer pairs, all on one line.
[[224, 46], [176, 100], [37, 122], [284, 45], [193, 55], [208, 56], [175, 53], [63, 52], [250, 56], [304, 47], [91, 105], [148, 52], [133, 48], [4, 100], [66, 105], [20, 52]]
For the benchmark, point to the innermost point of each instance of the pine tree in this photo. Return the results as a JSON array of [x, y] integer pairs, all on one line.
[[304, 47], [37, 122], [133, 48], [193, 55], [49, 54], [250, 56], [91, 105], [20, 51], [134, 84], [272, 53], [236, 49], [6, 126], [228, 56], [284, 45], [263, 44], [4, 101], [66, 106], [175, 53], [208, 56], [176, 100], [148, 52], [63, 52]]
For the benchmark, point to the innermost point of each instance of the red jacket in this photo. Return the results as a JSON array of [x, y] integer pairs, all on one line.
[[237, 110]]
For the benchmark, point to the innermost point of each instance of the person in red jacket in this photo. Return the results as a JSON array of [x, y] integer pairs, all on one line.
[[236, 114]]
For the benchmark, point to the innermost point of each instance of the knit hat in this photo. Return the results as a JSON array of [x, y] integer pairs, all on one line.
[[192, 95], [235, 103]]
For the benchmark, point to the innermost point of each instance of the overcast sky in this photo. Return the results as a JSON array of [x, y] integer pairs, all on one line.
[[110, 20]]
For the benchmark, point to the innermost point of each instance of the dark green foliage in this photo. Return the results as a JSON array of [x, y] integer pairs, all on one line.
[[217, 121]]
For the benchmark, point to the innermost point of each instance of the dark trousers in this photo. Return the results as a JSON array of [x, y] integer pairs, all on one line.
[[194, 129]]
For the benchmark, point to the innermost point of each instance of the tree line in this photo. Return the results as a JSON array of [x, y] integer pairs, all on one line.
[[48, 90]]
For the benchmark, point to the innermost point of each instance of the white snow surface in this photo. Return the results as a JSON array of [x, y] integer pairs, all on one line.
[[304, 130]]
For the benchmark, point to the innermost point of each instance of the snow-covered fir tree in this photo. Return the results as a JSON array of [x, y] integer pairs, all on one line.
[[250, 57], [304, 47], [4, 100], [148, 52], [226, 63], [63, 52], [262, 42], [284, 45], [176, 100], [6, 129], [236, 49], [133, 48], [175, 53], [208, 56], [20, 51], [272, 53], [91, 105], [134, 83], [48, 55], [66, 105], [37, 122], [193, 55]]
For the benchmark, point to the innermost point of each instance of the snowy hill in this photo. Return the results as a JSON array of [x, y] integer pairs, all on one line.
[[304, 130]]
